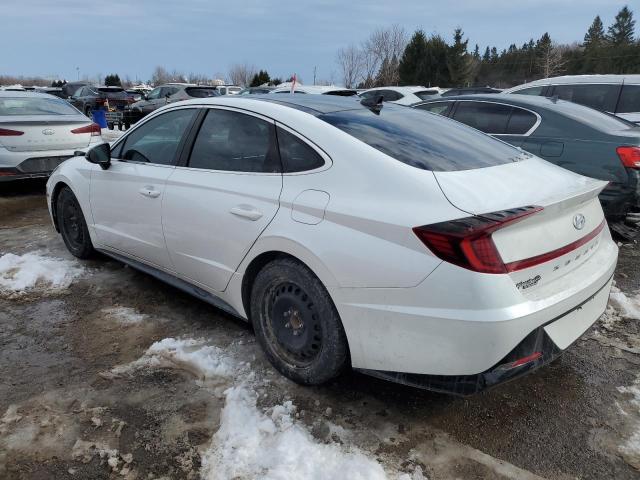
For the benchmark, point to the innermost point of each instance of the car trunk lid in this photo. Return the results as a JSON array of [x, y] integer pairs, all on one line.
[[43, 132], [546, 243]]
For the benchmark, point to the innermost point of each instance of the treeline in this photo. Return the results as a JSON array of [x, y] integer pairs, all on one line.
[[432, 61]]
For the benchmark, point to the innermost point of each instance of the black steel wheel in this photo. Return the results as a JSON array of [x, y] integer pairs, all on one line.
[[297, 323], [72, 224]]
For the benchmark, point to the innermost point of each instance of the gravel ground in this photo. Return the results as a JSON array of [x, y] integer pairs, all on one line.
[[73, 405]]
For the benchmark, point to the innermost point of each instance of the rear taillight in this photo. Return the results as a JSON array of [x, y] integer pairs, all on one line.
[[467, 242], [629, 156], [5, 132], [93, 129]]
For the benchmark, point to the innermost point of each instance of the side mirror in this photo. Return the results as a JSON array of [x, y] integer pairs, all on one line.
[[100, 155]]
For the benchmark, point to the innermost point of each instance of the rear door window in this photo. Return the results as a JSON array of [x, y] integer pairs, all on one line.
[[426, 94], [629, 99], [235, 142], [427, 142], [441, 108], [296, 155], [602, 97], [521, 121], [530, 91], [487, 117]]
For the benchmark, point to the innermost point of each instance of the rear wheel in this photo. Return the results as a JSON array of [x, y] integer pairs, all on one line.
[[297, 324], [87, 111], [72, 224]]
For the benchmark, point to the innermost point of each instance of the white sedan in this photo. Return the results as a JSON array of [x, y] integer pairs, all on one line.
[[403, 95], [38, 132], [405, 245]]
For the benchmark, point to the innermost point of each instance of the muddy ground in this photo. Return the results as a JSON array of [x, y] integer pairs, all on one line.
[[65, 415]]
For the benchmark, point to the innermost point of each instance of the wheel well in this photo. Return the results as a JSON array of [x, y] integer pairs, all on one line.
[[252, 271], [54, 199]]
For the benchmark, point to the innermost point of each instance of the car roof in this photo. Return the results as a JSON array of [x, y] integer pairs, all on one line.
[[310, 89], [405, 89], [313, 104], [569, 79]]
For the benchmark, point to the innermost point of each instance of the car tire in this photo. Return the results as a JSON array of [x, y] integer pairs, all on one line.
[[72, 225], [297, 323], [110, 126], [87, 111]]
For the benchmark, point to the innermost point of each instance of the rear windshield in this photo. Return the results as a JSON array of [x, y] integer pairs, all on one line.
[[110, 89], [424, 140], [201, 92], [592, 118], [426, 94], [35, 106]]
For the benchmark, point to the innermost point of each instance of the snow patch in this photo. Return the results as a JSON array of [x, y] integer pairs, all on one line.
[[125, 315], [270, 445], [254, 443], [626, 306], [21, 273], [631, 448]]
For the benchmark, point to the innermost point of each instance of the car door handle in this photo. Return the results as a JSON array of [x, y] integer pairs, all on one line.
[[149, 191], [246, 211]]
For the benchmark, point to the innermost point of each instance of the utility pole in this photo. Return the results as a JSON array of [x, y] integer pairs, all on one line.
[[314, 75], [78, 71]]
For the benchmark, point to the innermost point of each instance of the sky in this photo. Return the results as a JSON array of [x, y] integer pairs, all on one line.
[[67, 38]]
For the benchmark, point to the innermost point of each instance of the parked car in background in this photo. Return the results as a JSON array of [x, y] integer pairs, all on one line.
[[381, 238], [228, 89], [69, 88], [317, 90], [13, 88], [164, 94], [616, 94], [469, 91], [38, 132], [135, 95], [89, 98], [255, 90], [403, 95], [56, 91], [572, 136]]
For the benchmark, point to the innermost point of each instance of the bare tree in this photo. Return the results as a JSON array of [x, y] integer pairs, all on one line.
[[551, 61], [351, 63], [241, 74], [159, 76], [384, 47]]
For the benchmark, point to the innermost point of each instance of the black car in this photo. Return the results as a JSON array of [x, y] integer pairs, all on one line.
[[69, 88], [572, 136], [89, 98], [469, 91], [163, 94]]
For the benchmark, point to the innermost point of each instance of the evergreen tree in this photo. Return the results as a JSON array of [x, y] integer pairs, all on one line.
[[487, 55], [413, 58], [595, 35], [621, 32], [112, 80], [458, 61], [260, 78]]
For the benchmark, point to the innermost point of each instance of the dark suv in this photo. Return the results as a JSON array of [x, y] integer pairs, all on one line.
[[163, 94], [89, 98]]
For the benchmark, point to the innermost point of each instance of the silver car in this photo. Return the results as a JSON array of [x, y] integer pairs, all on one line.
[[38, 132]]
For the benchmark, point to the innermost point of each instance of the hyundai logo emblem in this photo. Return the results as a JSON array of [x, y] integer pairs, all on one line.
[[579, 221], [48, 131]]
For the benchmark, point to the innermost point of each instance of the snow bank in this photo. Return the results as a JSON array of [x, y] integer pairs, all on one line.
[[20, 273], [125, 315], [632, 446], [252, 444], [255, 444], [627, 307]]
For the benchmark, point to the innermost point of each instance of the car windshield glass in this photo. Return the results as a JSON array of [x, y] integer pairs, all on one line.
[[593, 118], [201, 92], [35, 106], [428, 142], [110, 89], [426, 94]]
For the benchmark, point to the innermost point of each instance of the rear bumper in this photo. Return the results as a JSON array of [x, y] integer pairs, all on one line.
[[619, 199], [539, 346], [35, 164], [460, 324]]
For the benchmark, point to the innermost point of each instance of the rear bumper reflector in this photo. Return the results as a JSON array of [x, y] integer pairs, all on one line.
[[546, 257]]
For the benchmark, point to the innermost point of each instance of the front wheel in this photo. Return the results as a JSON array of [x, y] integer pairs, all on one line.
[[72, 224], [297, 323]]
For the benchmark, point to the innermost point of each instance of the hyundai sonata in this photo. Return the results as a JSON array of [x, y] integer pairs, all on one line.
[[405, 245]]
